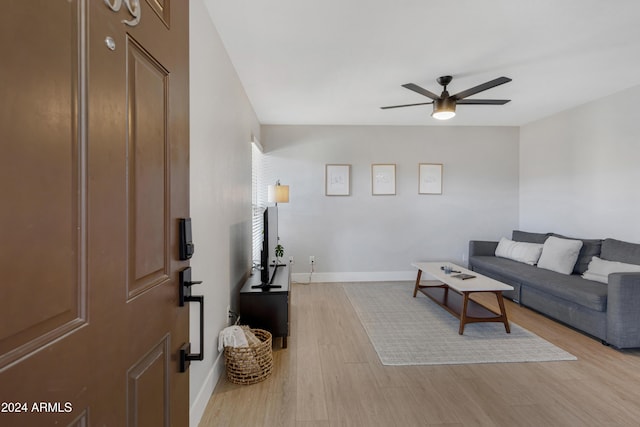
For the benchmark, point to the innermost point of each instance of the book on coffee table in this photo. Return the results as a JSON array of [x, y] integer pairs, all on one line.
[[464, 276]]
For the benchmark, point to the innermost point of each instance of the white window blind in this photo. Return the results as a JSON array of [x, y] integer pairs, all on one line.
[[258, 198]]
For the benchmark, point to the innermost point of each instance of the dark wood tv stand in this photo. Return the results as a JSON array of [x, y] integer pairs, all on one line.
[[267, 307]]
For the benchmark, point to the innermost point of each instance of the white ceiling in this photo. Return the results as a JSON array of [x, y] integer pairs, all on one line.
[[339, 61]]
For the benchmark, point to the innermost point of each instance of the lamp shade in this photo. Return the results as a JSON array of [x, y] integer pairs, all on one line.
[[444, 109], [278, 194]]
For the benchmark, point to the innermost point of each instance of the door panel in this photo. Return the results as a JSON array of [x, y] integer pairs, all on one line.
[[148, 214], [42, 215], [162, 9], [148, 388], [94, 176]]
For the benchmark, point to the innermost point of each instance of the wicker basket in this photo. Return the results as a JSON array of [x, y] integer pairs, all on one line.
[[250, 365]]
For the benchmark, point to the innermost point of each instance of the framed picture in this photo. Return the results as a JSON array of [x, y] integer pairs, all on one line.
[[337, 180], [383, 179], [430, 178]]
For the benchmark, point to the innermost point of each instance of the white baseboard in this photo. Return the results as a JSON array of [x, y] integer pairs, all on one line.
[[349, 276], [196, 411]]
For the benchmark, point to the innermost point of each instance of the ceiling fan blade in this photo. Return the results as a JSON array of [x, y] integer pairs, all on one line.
[[488, 85], [406, 105], [482, 101], [421, 91]]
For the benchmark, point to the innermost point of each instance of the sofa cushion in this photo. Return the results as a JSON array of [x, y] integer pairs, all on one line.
[[573, 288], [600, 269], [617, 250], [560, 255], [525, 236], [507, 269], [590, 248], [529, 253]]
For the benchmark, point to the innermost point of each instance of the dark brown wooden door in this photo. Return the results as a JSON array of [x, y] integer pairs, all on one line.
[[93, 177]]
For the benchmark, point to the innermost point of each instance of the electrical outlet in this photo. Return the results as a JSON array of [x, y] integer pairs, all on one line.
[[312, 259], [228, 314], [291, 260]]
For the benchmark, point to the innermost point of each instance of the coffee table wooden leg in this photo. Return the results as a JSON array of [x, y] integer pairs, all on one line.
[[503, 312], [415, 290], [463, 315]]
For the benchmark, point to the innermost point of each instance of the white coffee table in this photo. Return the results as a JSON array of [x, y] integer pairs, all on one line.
[[458, 302]]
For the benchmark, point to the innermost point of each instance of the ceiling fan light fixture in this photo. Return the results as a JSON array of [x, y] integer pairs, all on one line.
[[444, 109], [444, 106]]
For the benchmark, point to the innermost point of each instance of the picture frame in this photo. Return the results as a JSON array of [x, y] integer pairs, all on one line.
[[383, 179], [337, 180], [430, 178]]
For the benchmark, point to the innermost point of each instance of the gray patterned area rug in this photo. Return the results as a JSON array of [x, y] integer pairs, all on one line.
[[416, 331]]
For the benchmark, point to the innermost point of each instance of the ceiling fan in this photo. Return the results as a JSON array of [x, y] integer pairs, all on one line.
[[444, 106]]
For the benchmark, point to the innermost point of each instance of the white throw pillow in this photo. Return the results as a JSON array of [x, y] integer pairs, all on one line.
[[599, 269], [529, 253], [559, 255]]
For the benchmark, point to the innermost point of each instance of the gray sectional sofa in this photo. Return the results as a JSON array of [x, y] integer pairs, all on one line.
[[610, 312]]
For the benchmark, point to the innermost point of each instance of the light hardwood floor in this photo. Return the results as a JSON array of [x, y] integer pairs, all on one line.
[[330, 375]]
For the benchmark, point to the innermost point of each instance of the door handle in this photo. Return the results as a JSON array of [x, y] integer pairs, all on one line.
[[185, 296]]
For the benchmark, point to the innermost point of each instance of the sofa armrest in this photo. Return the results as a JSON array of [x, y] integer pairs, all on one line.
[[482, 248], [623, 310]]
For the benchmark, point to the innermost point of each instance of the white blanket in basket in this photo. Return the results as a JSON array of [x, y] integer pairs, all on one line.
[[232, 336]]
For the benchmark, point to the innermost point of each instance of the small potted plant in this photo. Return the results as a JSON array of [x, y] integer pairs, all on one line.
[[279, 253]]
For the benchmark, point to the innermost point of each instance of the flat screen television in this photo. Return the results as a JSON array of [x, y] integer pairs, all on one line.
[[269, 243]]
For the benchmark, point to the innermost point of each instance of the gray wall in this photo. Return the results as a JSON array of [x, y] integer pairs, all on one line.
[[365, 237], [579, 170], [222, 124]]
